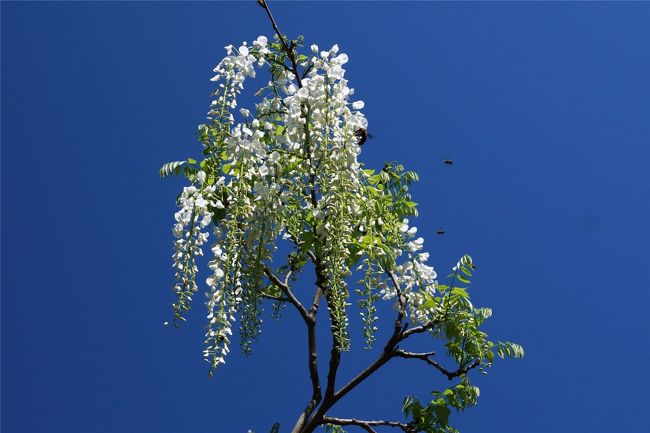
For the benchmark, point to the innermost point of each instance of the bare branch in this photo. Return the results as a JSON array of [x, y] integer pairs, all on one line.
[[365, 424], [332, 397], [401, 299], [313, 374], [287, 291], [310, 321], [312, 359], [286, 278], [398, 330], [381, 360], [316, 301], [335, 360], [426, 358], [417, 330]]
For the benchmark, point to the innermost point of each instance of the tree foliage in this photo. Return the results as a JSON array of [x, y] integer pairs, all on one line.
[[284, 176]]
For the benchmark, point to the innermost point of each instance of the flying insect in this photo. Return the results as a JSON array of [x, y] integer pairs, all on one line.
[[362, 135]]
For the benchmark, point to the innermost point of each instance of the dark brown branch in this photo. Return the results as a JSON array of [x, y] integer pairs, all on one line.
[[365, 424], [313, 370], [312, 359], [426, 358], [417, 329], [335, 360], [381, 360], [287, 291], [287, 48], [330, 401], [312, 355], [332, 397], [401, 299], [357, 423]]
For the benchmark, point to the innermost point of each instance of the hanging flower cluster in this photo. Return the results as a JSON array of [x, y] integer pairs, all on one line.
[[191, 221], [288, 170], [416, 279]]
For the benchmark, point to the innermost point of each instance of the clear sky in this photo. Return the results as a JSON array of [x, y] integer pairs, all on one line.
[[544, 107]]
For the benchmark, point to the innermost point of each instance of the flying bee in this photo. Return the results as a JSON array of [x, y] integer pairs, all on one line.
[[449, 162], [362, 135]]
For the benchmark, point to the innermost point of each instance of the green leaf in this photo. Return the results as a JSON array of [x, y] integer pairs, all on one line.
[[460, 291], [430, 301], [442, 413], [307, 241], [171, 168]]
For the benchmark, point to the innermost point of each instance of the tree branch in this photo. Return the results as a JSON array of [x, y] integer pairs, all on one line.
[[313, 371], [426, 358], [417, 329], [312, 356], [311, 255], [401, 299], [287, 291], [287, 48], [335, 360], [331, 396], [310, 321], [365, 424], [381, 360]]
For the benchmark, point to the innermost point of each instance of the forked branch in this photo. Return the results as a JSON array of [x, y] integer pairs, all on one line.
[[426, 357], [284, 286]]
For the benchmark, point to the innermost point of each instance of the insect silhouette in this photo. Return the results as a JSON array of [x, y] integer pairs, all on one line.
[[440, 232], [362, 135], [449, 162]]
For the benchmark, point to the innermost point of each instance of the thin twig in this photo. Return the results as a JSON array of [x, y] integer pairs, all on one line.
[[417, 329], [365, 424], [426, 358], [287, 48], [287, 291], [286, 278]]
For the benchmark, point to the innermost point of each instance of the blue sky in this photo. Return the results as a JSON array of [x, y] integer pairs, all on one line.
[[544, 107]]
